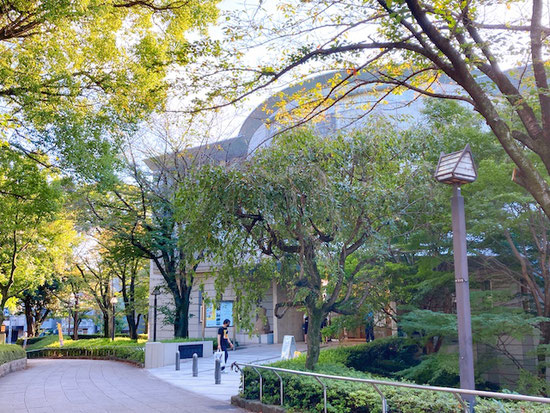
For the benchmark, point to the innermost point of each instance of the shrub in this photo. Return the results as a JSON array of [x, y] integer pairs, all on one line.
[[124, 353], [304, 394], [384, 356], [10, 352]]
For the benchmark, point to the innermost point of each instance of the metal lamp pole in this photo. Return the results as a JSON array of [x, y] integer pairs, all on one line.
[[462, 287], [155, 292], [458, 168], [114, 301]]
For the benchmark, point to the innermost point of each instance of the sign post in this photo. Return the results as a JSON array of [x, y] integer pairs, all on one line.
[[60, 333], [289, 348]]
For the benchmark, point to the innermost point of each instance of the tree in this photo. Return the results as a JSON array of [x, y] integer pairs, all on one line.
[[96, 278], [38, 304], [318, 206], [409, 44], [33, 240], [75, 75], [141, 219]]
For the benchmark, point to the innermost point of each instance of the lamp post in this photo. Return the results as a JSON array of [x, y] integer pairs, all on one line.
[[155, 293], [114, 301], [457, 169]]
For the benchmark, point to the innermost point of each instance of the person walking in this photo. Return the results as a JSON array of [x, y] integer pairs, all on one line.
[[369, 327], [223, 340]]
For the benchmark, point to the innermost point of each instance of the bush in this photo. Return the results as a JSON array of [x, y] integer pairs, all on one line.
[[123, 353], [305, 394], [385, 356], [10, 352]]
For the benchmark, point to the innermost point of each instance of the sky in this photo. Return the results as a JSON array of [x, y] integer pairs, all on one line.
[[226, 123]]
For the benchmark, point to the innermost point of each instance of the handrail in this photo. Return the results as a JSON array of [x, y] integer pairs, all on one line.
[[373, 382]]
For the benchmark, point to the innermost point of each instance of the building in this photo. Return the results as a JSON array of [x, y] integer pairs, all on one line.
[[257, 131]]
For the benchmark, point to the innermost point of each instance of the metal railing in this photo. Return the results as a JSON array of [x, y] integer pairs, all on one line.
[[457, 393]]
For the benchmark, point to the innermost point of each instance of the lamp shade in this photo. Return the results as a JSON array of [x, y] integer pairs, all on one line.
[[456, 168]]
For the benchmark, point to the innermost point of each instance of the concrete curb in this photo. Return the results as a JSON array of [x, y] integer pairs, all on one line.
[[255, 405], [12, 366]]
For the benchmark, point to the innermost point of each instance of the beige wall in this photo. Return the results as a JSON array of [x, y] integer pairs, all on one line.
[[291, 323]]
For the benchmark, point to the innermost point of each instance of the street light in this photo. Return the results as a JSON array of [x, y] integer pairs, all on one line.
[[114, 301], [457, 169], [155, 293]]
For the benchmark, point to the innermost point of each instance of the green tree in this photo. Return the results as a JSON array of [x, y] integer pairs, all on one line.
[[75, 74], [408, 44], [31, 235], [318, 206]]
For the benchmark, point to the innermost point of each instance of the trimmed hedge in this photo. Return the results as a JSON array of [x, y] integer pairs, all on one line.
[[132, 354], [305, 394], [10, 352], [34, 340]]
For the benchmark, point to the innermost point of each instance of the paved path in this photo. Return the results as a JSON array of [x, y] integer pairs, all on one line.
[[96, 386], [203, 385]]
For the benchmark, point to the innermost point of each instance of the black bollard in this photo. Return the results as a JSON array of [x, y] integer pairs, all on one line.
[[195, 365], [218, 372], [177, 360]]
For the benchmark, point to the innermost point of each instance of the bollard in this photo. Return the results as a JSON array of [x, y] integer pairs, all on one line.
[[218, 372], [177, 360], [195, 365]]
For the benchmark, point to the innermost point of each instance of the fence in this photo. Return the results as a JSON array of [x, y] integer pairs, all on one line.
[[457, 393]]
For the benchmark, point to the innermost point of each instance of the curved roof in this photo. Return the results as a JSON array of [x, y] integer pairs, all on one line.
[[256, 132]]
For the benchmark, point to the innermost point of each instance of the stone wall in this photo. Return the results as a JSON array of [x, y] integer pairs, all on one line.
[[12, 366]]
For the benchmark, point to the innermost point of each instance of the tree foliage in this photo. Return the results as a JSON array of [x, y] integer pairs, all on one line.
[[317, 206], [35, 240], [75, 75], [407, 45]]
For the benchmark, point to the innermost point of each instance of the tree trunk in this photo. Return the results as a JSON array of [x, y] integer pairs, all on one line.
[[76, 322], [29, 317], [132, 325], [181, 322], [106, 324], [315, 317]]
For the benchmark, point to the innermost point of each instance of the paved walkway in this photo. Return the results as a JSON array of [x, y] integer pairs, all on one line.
[[204, 384], [96, 386]]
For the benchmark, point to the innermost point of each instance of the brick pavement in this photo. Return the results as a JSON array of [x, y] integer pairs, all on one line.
[[96, 386]]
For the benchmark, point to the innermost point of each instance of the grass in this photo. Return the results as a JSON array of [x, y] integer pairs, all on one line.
[[97, 343], [10, 352]]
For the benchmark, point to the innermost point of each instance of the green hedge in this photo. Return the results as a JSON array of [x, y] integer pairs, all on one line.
[[10, 352], [124, 353], [304, 394], [34, 340]]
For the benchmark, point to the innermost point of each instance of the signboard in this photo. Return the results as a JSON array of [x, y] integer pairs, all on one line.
[[289, 347], [216, 315], [60, 333]]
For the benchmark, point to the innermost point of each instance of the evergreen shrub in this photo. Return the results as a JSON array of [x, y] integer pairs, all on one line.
[[10, 352]]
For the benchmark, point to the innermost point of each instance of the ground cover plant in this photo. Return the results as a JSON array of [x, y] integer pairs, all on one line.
[[10, 352], [122, 348]]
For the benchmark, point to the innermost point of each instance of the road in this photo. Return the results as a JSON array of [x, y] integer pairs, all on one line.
[[96, 386]]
